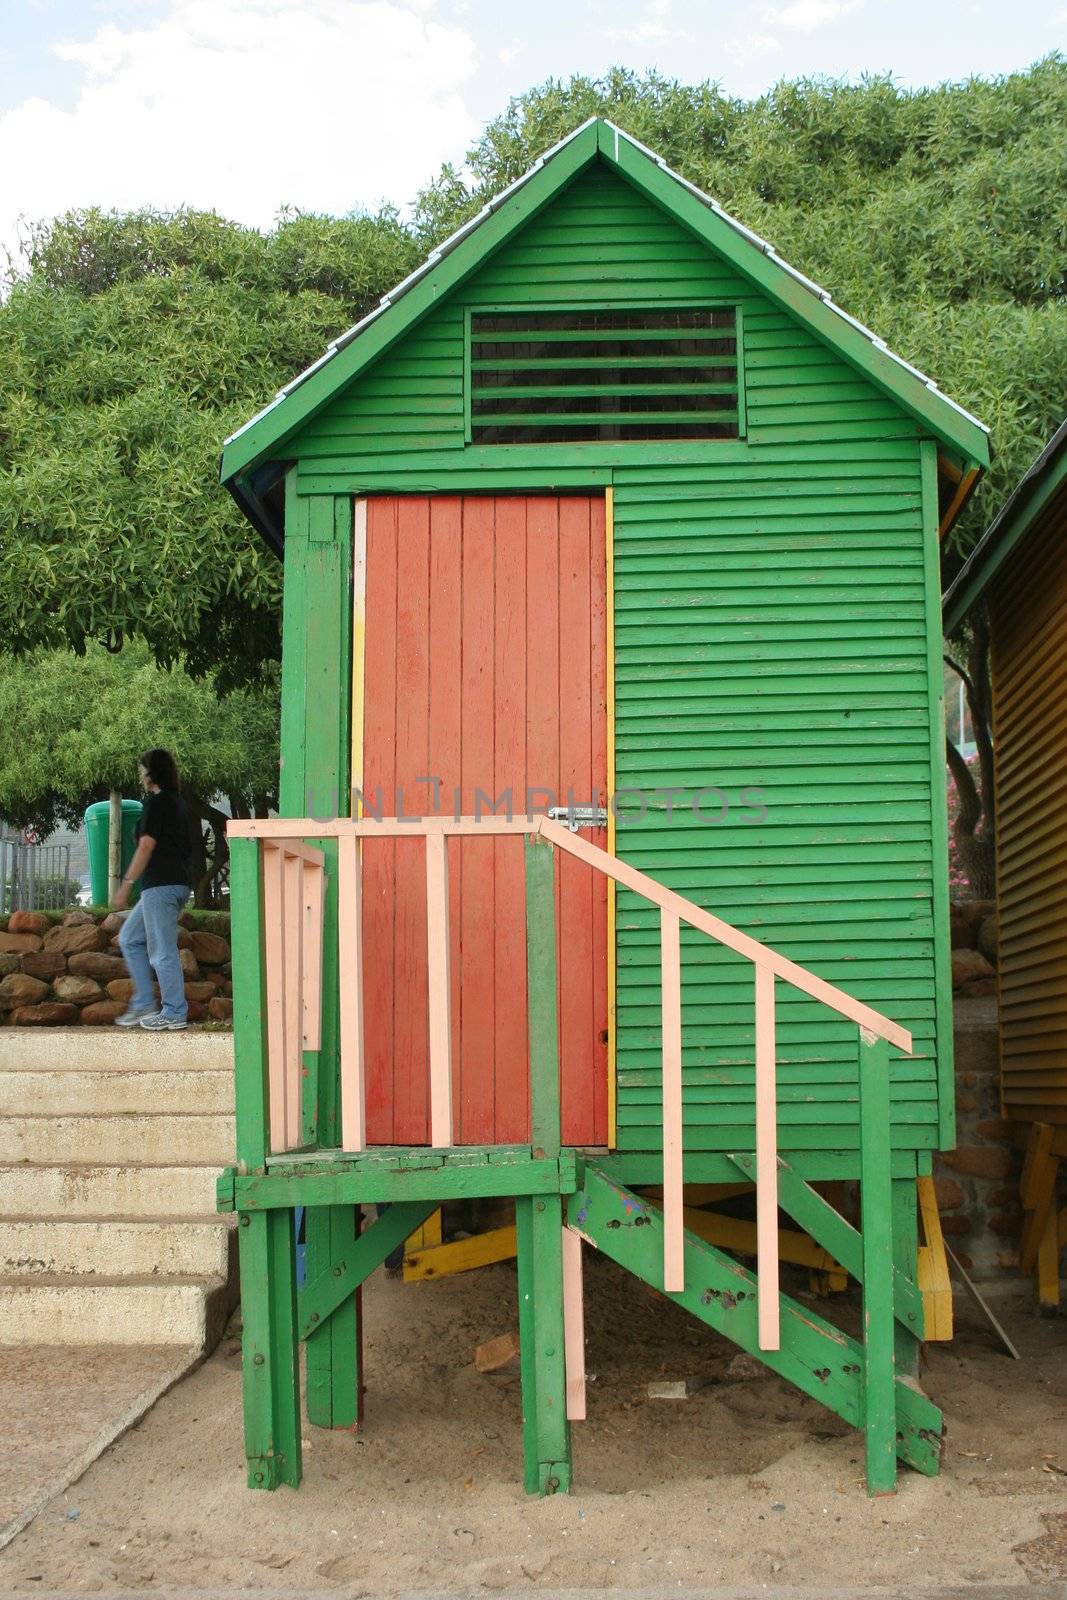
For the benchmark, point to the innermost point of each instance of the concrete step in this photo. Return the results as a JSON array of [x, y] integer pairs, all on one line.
[[82, 1190], [150, 1140], [190, 1312], [124, 1090], [114, 1050], [115, 1247]]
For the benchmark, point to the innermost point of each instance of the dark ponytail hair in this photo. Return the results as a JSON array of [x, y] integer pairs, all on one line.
[[161, 768]]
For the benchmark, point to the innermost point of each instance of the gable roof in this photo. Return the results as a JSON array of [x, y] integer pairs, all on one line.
[[263, 437], [1043, 481]]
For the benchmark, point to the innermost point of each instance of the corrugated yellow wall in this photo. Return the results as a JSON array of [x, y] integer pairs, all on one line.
[[1029, 624]]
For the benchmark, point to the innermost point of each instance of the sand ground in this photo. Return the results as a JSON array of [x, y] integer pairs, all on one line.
[[746, 1482]]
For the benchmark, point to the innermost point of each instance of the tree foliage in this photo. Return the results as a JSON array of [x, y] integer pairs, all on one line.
[[72, 728], [128, 351], [131, 345]]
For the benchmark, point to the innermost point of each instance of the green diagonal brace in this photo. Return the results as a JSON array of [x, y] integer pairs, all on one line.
[[318, 1300], [844, 1242], [815, 1356]]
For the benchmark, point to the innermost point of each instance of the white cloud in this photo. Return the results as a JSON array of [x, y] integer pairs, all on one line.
[[752, 47], [243, 107], [654, 27], [807, 15]]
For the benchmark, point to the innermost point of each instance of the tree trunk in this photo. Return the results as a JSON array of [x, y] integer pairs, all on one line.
[[974, 828]]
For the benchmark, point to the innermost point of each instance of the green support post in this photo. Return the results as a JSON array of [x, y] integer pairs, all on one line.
[[267, 1249], [906, 1261], [316, 686], [539, 1219], [876, 1202]]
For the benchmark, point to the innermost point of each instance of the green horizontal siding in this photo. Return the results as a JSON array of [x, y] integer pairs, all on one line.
[[771, 632]]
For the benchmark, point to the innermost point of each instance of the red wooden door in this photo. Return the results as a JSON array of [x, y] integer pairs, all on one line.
[[484, 669]]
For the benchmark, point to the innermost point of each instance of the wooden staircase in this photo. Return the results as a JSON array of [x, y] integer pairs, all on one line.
[[818, 1358]]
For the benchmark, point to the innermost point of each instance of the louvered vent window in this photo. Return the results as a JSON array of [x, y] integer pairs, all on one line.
[[536, 377]]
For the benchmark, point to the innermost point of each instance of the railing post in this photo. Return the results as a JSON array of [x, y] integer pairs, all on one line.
[[876, 1218], [541, 1002], [539, 1219], [766, 1164], [275, 988], [673, 1160], [293, 936], [269, 1346], [439, 990], [350, 966]]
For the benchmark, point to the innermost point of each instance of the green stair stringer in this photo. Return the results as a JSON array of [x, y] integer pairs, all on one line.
[[815, 1356]]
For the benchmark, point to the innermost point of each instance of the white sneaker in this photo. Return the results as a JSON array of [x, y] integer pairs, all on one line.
[[130, 1019], [156, 1022]]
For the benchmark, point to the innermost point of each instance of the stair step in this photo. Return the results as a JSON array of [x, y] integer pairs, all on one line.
[[63, 1091], [94, 1248], [818, 1358], [185, 1311], [113, 1050], [151, 1140], [34, 1190]]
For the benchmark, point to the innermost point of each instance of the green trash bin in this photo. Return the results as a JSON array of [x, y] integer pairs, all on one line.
[[97, 823]]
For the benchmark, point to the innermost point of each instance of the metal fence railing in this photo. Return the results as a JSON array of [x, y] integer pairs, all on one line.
[[34, 877]]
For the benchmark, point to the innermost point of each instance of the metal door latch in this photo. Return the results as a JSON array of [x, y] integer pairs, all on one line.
[[575, 817]]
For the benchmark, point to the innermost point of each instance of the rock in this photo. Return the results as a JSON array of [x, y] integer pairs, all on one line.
[[671, 1389], [220, 1008], [71, 938], [227, 969], [112, 923], [197, 1011], [79, 991], [78, 919], [44, 964], [9, 962], [969, 965], [496, 1353], [28, 922], [189, 963], [97, 964], [960, 927], [50, 1014], [17, 944], [744, 1366], [198, 991], [19, 989], [980, 1160], [121, 989], [986, 938], [949, 1194], [103, 1011], [185, 939], [210, 949], [185, 919], [977, 988]]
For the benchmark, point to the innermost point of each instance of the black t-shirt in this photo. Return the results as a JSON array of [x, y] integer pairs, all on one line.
[[165, 819]]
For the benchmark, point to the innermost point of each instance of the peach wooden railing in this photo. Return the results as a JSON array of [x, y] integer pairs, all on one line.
[[294, 965], [293, 903]]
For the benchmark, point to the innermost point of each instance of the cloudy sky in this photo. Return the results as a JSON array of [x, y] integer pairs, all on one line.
[[248, 105]]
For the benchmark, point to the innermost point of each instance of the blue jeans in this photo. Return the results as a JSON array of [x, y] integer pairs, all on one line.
[[149, 942]]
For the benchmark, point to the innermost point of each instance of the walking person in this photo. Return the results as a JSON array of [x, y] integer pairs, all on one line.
[[163, 860]]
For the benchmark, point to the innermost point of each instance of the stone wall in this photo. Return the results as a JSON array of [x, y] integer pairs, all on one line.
[[61, 968]]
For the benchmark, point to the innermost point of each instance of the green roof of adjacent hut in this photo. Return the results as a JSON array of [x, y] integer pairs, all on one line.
[[259, 445], [1044, 480]]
